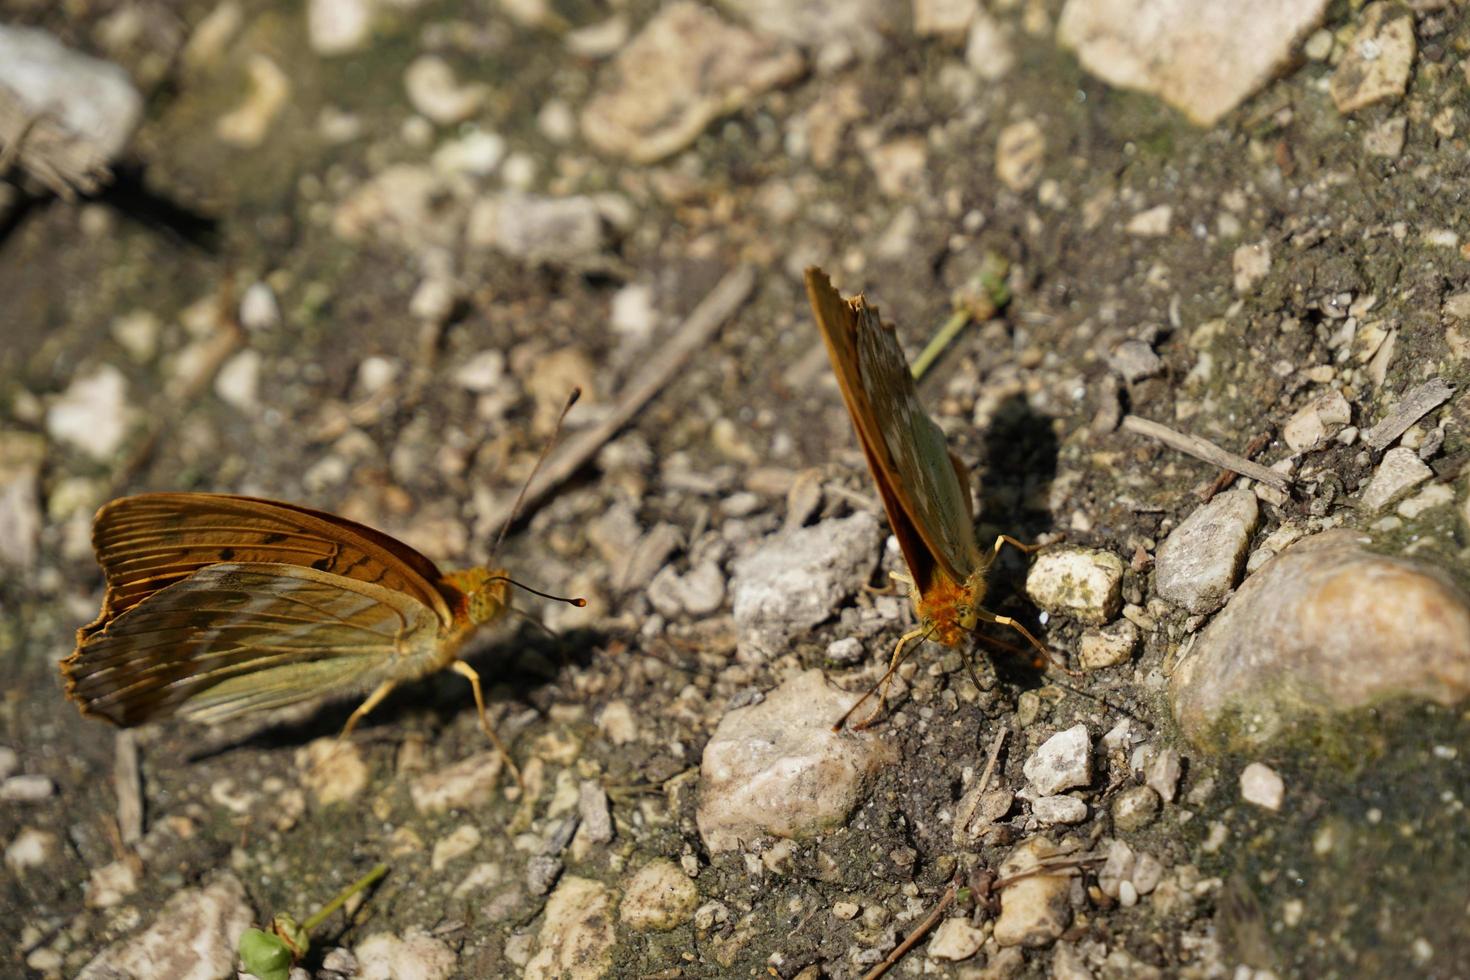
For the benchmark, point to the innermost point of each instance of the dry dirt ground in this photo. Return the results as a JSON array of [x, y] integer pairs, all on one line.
[[409, 372]]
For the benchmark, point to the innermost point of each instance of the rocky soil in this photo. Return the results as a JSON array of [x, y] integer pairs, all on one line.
[[355, 253]]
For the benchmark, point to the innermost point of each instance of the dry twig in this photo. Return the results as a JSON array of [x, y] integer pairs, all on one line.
[[923, 929], [1409, 409], [696, 331], [1205, 450]]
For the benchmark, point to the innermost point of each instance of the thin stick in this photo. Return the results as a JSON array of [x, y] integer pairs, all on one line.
[[127, 780], [1227, 476], [696, 331], [1412, 407], [1205, 450], [913, 939], [991, 759]]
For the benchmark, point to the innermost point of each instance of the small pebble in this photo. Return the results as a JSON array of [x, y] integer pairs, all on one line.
[[27, 788], [1062, 762], [1135, 808], [1261, 785]]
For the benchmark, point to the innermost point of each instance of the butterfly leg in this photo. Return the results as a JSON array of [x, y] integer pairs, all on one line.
[[373, 700], [881, 688], [468, 673], [1051, 658], [1006, 539]]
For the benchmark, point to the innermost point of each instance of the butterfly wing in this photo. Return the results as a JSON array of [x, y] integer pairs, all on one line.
[[149, 542], [232, 638], [921, 483]]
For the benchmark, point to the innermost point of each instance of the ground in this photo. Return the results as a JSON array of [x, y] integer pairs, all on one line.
[[335, 309]]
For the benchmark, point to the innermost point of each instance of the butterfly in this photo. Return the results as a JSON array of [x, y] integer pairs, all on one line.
[[220, 605], [924, 487]]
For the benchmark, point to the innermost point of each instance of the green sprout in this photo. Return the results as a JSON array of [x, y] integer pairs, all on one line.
[[270, 955], [983, 296]]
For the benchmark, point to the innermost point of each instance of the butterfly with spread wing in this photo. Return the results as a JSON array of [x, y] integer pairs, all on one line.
[[220, 605], [924, 487]]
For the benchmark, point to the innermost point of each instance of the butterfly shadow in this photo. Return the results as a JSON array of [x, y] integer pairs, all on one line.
[[1019, 465], [513, 669]]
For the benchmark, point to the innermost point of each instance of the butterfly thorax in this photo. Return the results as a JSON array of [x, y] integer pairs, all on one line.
[[947, 609]]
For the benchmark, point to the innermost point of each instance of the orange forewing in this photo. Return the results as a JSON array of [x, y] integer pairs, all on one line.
[[922, 485]]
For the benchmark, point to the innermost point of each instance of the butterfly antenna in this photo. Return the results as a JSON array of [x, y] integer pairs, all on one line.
[[577, 601], [515, 508]]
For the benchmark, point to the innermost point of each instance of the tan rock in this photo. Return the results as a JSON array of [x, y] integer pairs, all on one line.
[[1324, 626], [685, 69]]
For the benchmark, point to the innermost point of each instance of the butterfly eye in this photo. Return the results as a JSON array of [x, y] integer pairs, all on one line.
[[967, 619]]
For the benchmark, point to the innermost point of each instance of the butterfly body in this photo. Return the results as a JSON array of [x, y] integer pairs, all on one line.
[[923, 486], [218, 605]]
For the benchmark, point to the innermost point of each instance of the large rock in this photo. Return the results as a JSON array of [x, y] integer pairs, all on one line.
[[1324, 626], [777, 768], [1200, 56], [685, 69]]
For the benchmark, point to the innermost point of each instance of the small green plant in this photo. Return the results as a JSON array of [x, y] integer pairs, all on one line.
[[270, 955]]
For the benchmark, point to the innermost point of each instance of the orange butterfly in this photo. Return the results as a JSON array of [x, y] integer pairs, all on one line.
[[219, 605], [924, 487]]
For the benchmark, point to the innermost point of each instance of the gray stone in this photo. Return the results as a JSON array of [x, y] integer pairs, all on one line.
[[836, 30], [27, 788], [1317, 421], [1062, 762], [192, 938], [21, 455], [777, 768], [577, 932], [1262, 785], [433, 90], [956, 939], [1135, 808], [685, 69], [417, 954], [538, 230], [1116, 869], [1083, 583], [1107, 647], [1324, 626], [1162, 772], [465, 784], [658, 896], [699, 592], [989, 50], [1050, 810], [597, 825], [93, 413], [1203, 58], [1377, 63], [30, 848], [1034, 911], [339, 26], [1020, 155], [1197, 564], [797, 578], [1400, 471], [1135, 360], [64, 114], [1250, 263]]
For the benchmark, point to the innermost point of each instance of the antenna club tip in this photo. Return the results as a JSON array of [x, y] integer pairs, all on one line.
[[579, 602], [572, 398]]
